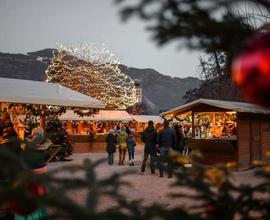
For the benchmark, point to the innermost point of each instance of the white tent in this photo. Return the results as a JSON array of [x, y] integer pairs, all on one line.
[[35, 92], [103, 115], [145, 118]]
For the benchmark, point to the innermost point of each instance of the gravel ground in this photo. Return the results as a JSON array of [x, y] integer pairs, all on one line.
[[149, 188]]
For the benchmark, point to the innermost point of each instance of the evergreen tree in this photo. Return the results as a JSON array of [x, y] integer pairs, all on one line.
[[58, 135]]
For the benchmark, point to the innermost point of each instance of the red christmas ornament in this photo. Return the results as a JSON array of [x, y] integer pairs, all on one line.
[[25, 205], [210, 211], [251, 70]]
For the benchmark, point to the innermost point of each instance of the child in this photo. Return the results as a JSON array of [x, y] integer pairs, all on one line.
[[111, 145], [131, 147]]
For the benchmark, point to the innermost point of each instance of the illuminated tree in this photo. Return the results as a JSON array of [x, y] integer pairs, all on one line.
[[92, 71]]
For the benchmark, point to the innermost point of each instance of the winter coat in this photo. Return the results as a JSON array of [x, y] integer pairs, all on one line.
[[166, 138], [131, 142], [111, 143], [149, 137], [122, 139]]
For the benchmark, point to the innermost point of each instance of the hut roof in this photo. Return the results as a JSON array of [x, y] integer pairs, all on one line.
[[146, 118], [35, 92], [102, 115], [228, 105]]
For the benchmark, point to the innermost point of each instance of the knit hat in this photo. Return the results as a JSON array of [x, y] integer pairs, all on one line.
[[150, 123], [44, 145]]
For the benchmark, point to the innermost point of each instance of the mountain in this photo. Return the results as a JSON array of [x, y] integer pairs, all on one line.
[[164, 91], [159, 91]]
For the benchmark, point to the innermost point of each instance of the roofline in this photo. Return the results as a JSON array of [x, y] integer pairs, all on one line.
[[188, 106]]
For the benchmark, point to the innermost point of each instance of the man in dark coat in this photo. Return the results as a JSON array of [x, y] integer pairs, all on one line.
[[149, 137], [166, 142]]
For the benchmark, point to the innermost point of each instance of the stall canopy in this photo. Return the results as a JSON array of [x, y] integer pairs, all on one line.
[[232, 106], [35, 92], [145, 118], [103, 115]]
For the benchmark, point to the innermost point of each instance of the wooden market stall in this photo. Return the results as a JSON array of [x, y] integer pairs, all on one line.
[[88, 133], [225, 131], [42, 93]]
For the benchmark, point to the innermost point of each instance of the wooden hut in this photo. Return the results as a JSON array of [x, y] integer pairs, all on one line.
[[225, 131], [88, 133]]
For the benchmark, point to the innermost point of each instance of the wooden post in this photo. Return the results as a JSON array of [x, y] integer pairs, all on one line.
[[42, 121], [192, 125], [42, 117]]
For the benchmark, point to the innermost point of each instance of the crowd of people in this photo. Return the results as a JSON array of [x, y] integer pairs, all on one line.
[[34, 152], [155, 143], [124, 138]]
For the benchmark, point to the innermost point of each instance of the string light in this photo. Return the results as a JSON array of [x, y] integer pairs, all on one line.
[[93, 71]]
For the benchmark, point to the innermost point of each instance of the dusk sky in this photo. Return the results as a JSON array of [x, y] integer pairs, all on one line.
[[30, 25]]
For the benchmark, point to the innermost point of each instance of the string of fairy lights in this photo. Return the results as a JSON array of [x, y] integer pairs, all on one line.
[[93, 71]]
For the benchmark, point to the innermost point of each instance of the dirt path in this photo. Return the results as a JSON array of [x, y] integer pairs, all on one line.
[[149, 188]]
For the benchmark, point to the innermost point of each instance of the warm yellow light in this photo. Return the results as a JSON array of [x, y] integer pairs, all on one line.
[[92, 73]]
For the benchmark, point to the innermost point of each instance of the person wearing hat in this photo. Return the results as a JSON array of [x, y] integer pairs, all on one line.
[[149, 137], [36, 150], [111, 146]]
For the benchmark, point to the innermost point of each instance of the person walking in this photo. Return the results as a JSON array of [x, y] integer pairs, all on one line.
[[131, 147], [149, 137], [122, 139], [166, 142], [111, 146]]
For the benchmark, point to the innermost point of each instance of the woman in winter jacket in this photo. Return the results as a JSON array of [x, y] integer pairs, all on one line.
[[111, 146], [122, 140]]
